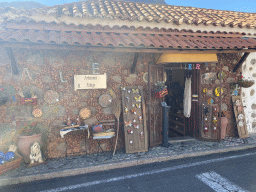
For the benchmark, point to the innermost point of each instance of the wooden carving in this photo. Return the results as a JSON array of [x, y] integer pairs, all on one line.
[[240, 117]]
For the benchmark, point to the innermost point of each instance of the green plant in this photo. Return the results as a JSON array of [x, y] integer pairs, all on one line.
[[31, 128]]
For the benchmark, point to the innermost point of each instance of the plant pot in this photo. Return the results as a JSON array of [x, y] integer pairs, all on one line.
[[223, 126], [24, 144]]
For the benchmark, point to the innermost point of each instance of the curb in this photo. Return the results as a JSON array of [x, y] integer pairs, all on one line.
[[106, 167]]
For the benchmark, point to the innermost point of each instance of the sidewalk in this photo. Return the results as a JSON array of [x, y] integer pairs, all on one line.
[[75, 165]]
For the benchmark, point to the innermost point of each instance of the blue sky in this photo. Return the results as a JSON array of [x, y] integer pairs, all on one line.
[[232, 5]]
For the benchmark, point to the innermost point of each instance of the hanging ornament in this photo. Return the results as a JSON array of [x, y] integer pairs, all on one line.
[[214, 109], [134, 121], [205, 90], [205, 130], [210, 101], [135, 91], [140, 118], [138, 99], [126, 110], [240, 116], [128, 99], [133, 105], [128, 123], [205, 119], [241, 123], [129, 91], [133, 111], [141, 136], [131, 142], [217, 91], [214, 121], [138, 105], [122, 88], [130, 131], [136, 126], [214, 129], [221, 75]]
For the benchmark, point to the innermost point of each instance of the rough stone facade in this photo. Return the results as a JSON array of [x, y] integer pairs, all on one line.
[[39, 71], [248, 94]]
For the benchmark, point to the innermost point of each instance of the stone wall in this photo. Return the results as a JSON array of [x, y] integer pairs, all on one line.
[[39, 71], [248, 94], [226, 63]]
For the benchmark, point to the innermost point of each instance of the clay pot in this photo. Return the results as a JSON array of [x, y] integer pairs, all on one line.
[[24, 144], [223, 126]]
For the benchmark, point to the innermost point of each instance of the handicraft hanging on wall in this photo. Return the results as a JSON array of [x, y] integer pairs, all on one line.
[[136, 139], [240, 117]]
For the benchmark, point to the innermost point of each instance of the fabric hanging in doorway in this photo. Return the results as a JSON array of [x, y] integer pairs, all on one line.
[[187, 98]]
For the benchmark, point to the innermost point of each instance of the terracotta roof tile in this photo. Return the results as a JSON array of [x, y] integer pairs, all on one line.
[[125, 10], [133, 40]]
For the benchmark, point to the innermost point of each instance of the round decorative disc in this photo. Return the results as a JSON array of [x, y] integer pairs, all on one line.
[[221, 75], [37, 112], [105, 100], [217, 91], [241, 123], [51, 97], [240, 116], [85, 113]]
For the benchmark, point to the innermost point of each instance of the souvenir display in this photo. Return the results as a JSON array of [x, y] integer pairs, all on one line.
[[134, 123], [210, 121], [240, 117]]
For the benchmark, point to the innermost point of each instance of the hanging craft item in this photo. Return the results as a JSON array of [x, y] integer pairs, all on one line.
[[240, 117], [205, 90], [134, 123], [217, 91], [210, 101], [105, 100], [160, 89], [85, 113], [210, 121], [128, 123], [221, 75], [37, 112], [51, 97], [205, 130], [138, 99]]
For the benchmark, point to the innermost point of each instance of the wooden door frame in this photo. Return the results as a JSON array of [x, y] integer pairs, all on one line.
[[150, 135]]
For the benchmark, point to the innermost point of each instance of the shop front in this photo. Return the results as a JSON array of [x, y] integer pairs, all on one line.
[[96, 87]]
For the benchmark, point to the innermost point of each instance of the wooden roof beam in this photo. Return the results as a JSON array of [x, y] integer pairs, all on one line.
[[240, 62], [13, 60], [134, 63]]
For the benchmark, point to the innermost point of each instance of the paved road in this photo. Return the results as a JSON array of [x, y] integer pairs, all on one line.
[[233, 171]]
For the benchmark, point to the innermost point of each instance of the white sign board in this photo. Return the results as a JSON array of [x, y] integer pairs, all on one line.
[[90, 81]]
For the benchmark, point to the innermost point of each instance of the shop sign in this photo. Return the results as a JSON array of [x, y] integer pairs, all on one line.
[[90, 81]]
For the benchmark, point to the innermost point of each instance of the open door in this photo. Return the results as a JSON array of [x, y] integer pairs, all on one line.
[[156, 73]]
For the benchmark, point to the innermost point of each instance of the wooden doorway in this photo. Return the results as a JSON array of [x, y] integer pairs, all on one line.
[[179, 125]]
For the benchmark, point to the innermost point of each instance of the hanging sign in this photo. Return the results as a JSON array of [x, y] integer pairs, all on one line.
[[90, 81]]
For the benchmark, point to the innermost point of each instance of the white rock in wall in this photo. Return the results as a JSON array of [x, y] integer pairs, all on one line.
[[248, 98]]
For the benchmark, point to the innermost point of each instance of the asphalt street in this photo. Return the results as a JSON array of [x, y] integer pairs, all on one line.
[[232, 171]]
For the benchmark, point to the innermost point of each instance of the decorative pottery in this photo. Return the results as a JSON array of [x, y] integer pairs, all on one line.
[[85, 113], [24, 144], [37, 112], [105, 100], [51, 97], [223, 126]]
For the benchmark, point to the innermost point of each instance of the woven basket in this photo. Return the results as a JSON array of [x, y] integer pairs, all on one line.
[[11, 165]]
